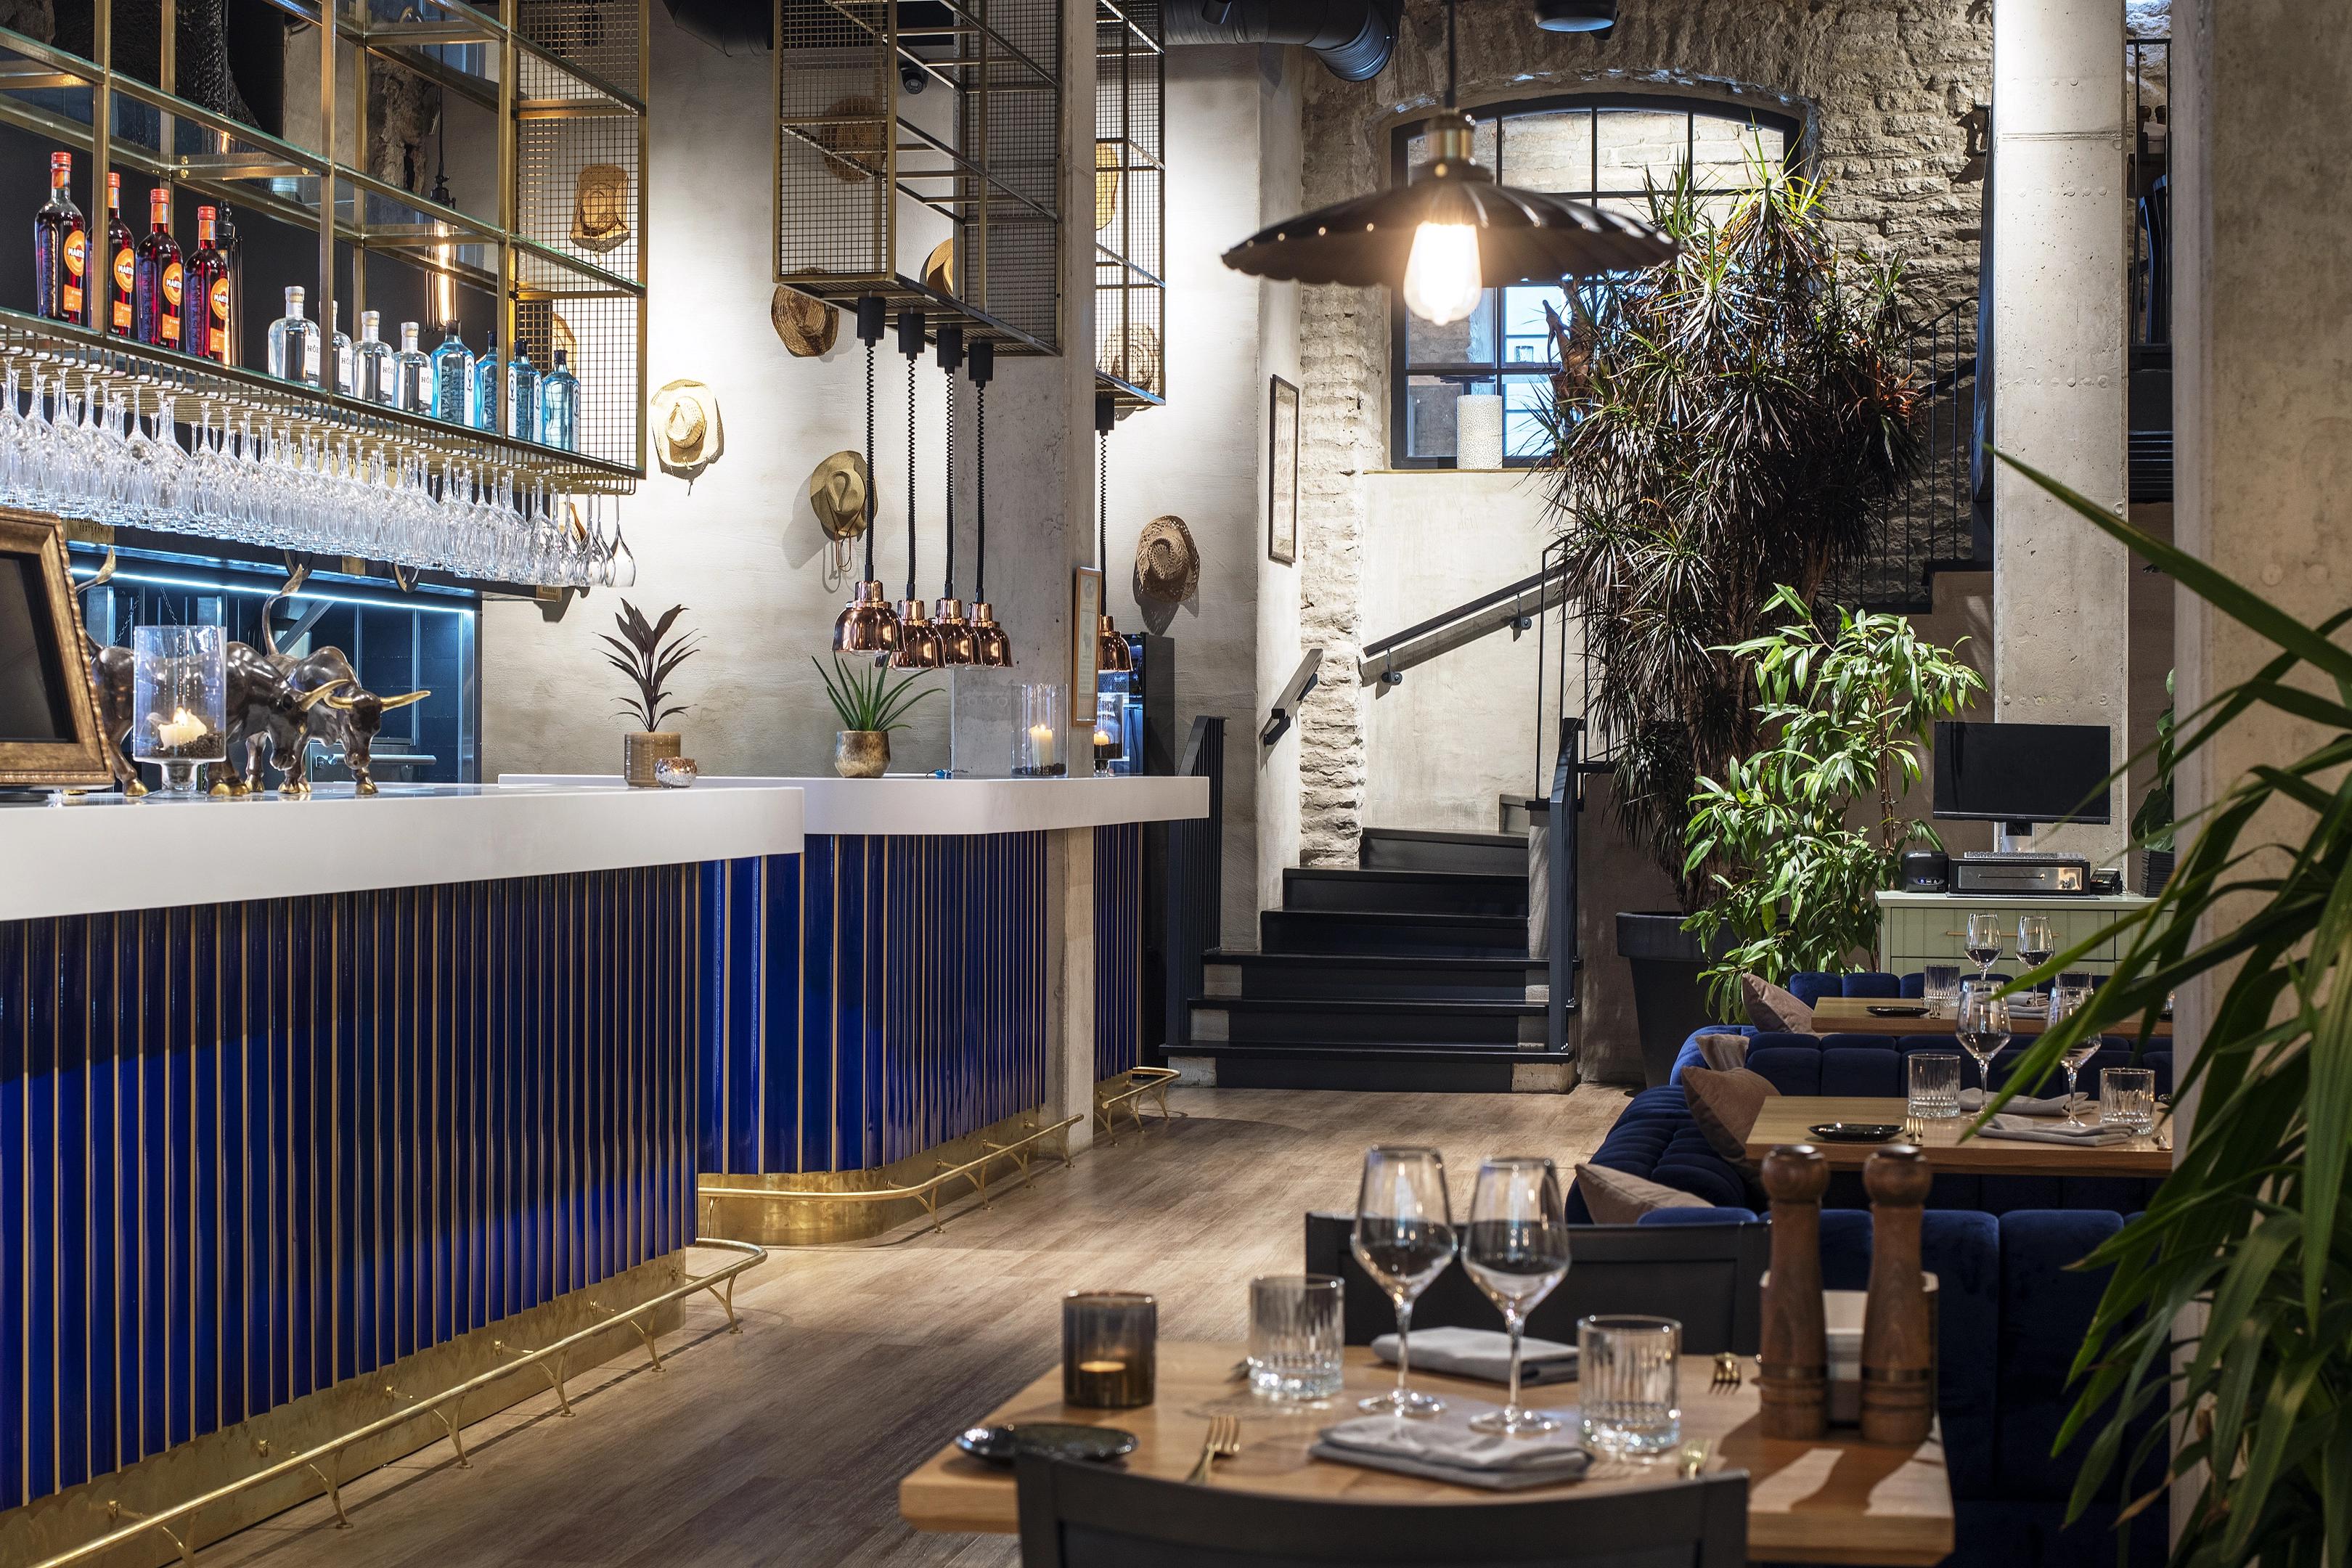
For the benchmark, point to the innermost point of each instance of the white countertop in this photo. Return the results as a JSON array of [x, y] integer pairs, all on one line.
[[103, 852], [918, 804]]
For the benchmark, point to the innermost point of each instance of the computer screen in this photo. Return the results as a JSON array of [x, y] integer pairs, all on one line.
[[2021, 772]]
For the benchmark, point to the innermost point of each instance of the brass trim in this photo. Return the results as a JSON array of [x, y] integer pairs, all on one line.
[[1138, 1086], [925, 1192]]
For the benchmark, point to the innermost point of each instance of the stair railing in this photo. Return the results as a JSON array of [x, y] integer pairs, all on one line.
[[1561, 955], [1196, 880]]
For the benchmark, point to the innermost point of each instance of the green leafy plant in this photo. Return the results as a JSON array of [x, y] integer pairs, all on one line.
[[2151, 824], [1804, 832], [2245, 1252], [640, 653], [867, 699], [1723, 422]]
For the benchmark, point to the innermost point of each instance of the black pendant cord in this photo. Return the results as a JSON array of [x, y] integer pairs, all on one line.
[[979, 491], [948, 588], [911, 476], [1449, 55], [869, 461], [1102, 476]]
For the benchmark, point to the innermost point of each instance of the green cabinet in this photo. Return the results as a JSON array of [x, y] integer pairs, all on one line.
[[1916, 929]]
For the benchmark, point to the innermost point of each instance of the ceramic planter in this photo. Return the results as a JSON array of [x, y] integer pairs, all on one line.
[[861, 754]]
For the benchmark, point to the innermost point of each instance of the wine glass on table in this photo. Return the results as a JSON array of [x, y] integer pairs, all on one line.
[[1516, 1250], [1404, 1238], [2036, 943], [1983, 943], [1983, 1026], [2067, 997]]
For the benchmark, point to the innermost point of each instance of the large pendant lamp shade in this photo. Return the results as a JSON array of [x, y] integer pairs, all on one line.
[[867, 625]]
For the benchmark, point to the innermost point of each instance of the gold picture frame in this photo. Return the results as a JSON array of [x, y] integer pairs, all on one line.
[[43, 664], [1086, 610], [1282, 471]]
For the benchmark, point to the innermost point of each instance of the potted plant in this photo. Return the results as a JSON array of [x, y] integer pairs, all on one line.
[[1723, 423], [642, 654], [869, 706], [1804, 832]]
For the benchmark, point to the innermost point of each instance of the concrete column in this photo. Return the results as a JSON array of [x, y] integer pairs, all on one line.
[[2060, 588], [1070, 1049]]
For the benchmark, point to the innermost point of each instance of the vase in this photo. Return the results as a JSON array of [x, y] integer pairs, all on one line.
[[861, 754], [640, 750]]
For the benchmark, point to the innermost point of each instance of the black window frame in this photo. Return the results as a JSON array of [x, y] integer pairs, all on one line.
[[1795, 151]]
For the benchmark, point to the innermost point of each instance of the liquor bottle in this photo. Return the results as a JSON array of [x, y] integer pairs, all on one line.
[[214, 322], [160, 277], [60, 249], [121, 257], [412, 374], [225, 241], [294, 342], [486, 384], [559, 407], [372, 377], [522, 395], [344, 365], [453, 380]]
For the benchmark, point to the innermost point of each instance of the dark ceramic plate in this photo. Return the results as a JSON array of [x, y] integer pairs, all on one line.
[[1856, 1132], [1054, 1439], [1915, 1011]]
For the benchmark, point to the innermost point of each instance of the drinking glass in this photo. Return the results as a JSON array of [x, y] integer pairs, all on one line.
[[1625, 1375], [2036, 943], [1516, 1250], [1942, 988], [2128, 1098], [1404, 1238], [1983, 1025], [1983, 942], [1934, 1085], [1295, 1336]]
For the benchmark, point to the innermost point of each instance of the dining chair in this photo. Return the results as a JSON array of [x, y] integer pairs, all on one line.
[[1087, 1516]]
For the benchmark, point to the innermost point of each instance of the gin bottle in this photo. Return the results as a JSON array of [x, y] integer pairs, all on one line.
[[372, 377], [294, 342], [522, 396], [412, 374], [559, 407], [346, 367], [486, 384], [453, 380]]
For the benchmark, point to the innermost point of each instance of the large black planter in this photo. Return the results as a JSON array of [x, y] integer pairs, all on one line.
[[1668, 1001]]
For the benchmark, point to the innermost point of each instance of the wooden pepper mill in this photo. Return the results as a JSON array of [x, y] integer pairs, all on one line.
[[1898, 1351], [1793, 1380]]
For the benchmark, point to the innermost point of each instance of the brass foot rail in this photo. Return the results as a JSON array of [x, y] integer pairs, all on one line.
[[1141, 1081], [925, 1192], [322, 1460]]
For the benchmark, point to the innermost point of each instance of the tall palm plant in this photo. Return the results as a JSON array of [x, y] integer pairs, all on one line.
[[1723, 423], [2248, 1244]]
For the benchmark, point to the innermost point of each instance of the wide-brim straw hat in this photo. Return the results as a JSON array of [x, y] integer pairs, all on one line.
[[1167, 561], [837, 491], [600, 206], [806, 324], [687, 435]]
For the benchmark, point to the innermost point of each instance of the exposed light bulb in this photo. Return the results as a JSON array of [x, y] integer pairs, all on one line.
[[1442, 281]]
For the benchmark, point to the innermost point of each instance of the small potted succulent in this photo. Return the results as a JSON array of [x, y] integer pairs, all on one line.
[[641, 653], [869, 706]]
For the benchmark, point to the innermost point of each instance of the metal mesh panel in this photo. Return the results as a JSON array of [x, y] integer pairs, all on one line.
[[1129, 212], [599, 36], [557, 308], [577, 174], [833, 93]]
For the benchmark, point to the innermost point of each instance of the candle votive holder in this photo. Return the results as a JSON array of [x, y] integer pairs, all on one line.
[[1110, 1349], [179, 701], [1043, 732]]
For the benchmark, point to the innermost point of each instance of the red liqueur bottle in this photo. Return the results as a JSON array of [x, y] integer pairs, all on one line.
[[60, 249], [161, 277], [211, 316], [121, 258]]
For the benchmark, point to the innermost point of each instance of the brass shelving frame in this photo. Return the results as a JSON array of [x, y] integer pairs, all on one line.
[[1131, 205]]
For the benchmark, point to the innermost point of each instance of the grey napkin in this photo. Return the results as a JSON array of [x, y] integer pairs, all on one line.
[[1443, 1447], [2026, 1130], [2025, 1104], [1485, 1354]]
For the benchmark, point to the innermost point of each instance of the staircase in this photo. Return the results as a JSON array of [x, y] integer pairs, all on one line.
[[1408, 970]]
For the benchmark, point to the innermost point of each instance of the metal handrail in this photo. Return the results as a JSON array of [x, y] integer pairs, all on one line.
[[1461, 612], [925, 1192], [1141, 1081], [322, 1459]]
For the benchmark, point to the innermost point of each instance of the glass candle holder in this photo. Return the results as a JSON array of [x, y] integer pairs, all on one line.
[[1041, 733], [1110, 729], [1110, 1346], [179, 701]]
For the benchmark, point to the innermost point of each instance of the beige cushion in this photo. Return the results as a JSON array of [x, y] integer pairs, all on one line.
[[1723, 1052], [1617, 1198], [1769, 1007], [1725, 1105]]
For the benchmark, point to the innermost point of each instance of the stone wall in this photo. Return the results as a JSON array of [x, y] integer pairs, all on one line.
[[1880, 89]]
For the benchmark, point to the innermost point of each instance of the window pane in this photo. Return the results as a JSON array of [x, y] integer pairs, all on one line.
[[1725, 153], [1429, 426], [1467, 341], [1549, 152], [1635, 142], [1526, 412], [1526, 335]]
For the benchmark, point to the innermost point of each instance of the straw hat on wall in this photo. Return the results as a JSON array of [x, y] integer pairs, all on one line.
[[687, 436], [1167, 561], [806, 324]]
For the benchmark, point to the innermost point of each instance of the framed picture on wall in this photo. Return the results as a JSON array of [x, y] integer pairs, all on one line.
[[1282, 471], [51, 734], [1085, 609]]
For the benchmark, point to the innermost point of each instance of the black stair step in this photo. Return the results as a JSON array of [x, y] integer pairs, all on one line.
[[1365, 932], [1324, 1065], [1288, 1021], [1404, 892], [1427, 850], [1349, 975]]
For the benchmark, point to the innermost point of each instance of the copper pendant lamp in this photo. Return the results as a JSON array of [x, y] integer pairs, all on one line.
[[957, 644], [867, 625], [1451, 233], [918, 640], [991, 645], [1111, 655]]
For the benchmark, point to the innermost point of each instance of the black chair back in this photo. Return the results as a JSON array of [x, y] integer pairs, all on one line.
[[1706, 1276], [1087, 1516]]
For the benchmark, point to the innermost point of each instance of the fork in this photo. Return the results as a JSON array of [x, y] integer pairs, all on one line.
[[1727, 1378], [1223, 1442]]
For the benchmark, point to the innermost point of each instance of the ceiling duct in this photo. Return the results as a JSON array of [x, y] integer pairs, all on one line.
[[1354, 37]]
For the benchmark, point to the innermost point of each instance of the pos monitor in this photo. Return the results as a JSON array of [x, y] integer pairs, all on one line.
[[2020, 774]]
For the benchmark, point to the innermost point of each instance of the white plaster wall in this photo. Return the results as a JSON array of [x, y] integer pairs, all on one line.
[[1280, 642]]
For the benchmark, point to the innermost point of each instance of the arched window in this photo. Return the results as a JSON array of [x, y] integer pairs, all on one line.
[[1597, 148]]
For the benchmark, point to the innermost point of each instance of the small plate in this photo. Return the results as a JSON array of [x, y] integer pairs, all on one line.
[[1856, 1132], [1054, 1439], [1917, 1011]]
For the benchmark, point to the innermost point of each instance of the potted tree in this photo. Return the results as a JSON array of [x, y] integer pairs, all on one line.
[[642, 654], [869, 706], [1724, 423]]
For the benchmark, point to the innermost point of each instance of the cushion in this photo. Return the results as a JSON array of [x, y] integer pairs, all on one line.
[[1619, 1197], [1723, 1052], [1769, 1007], [1725, 1105]]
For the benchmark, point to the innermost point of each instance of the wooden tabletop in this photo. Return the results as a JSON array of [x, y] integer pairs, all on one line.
[[1786, 1118], [1851, 1016], [1838, 1500]]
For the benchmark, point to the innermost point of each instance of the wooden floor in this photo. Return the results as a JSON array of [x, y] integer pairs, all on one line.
[[782, 1447]]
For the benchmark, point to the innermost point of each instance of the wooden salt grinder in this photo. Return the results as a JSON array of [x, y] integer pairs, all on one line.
[[1898, 1355], [1793, 1380]]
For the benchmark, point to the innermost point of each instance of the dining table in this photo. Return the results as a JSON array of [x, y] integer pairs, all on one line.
[[1952, 1145], [1900, 1016], [1834, 1499]]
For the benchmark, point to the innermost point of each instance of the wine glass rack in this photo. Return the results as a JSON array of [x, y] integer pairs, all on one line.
[[1131, 212], [550, 157]]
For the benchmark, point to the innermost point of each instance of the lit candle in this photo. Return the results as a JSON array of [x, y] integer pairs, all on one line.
[[1041, 745], [182, 729]]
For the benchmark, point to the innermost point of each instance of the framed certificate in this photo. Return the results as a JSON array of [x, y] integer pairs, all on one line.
[[1282, 472]]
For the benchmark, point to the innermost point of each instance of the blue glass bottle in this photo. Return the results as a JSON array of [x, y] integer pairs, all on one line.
[[453, 380], [559, 407], [485, 385], [522, 396]]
